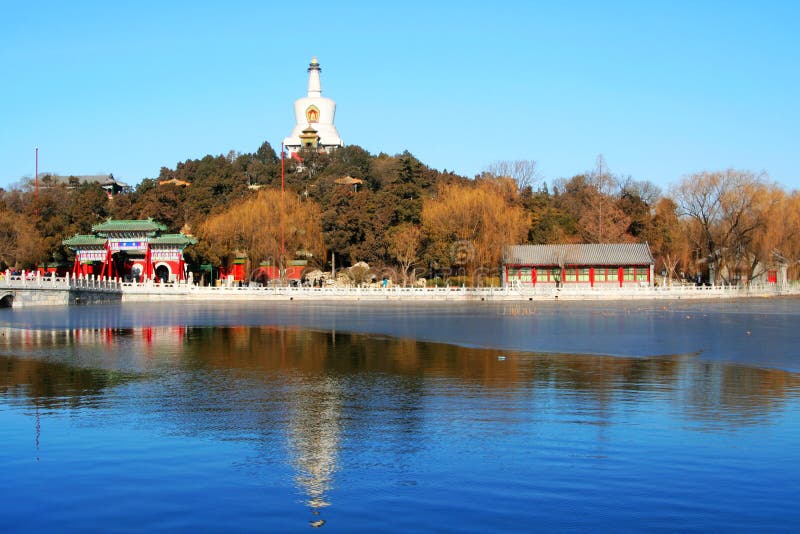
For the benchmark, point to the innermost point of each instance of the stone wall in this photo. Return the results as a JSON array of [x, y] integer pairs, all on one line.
[[24, 298], [33, 296], [86, 296]]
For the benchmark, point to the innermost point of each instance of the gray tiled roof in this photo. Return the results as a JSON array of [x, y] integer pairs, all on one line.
[[590, 254]]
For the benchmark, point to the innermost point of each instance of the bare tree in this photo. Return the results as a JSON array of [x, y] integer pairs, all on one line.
[[404, 244], [522, 171], [727, 211], [647, 191]]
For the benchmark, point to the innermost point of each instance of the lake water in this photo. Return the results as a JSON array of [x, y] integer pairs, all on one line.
[[401, 417]]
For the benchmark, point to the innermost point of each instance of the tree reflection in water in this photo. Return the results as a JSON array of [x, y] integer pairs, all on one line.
[[313, 392]]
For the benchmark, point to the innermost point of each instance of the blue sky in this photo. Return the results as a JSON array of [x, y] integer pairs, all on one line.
[[661, 89]]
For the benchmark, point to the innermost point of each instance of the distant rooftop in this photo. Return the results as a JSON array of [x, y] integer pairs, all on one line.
[[104, 180], [175, 181]]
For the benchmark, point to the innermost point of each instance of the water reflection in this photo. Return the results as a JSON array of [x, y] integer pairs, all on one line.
[[117, 349], [314, 438], [55, 385], [316, 394], [703, 390], [317, 361]]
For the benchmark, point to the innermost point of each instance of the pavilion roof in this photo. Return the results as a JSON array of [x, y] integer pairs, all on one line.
[[175, 181], [173, 239], [348, 180], [579, 254], [82, 240], [123, 225]]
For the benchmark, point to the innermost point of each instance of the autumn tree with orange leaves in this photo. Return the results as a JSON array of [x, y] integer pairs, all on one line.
[[591, 200], [466, 226], [257, 225]]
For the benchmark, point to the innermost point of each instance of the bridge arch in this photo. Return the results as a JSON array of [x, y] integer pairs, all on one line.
[[6, 299]]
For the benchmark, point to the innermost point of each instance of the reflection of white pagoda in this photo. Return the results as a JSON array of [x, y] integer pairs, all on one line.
[[314, 435], [314, 116]]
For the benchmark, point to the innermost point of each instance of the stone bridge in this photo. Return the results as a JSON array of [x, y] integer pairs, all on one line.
[[33, 290]]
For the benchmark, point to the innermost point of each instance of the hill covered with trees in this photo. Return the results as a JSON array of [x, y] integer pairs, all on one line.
[[407, 220]]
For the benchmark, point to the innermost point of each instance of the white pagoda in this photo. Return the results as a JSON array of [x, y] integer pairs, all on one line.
[[314, 116]]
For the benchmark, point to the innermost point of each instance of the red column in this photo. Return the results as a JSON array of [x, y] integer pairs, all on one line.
[[180, 265], [591, 276], [106, 263], [619, 275], [148, 262]]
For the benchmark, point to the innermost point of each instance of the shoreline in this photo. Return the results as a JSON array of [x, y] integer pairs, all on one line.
[[452, 294], [53, 291]]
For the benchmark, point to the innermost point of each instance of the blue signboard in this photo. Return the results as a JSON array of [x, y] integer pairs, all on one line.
[[128, 245]]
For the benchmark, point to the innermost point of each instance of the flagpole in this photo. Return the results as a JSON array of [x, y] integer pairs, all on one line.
[[36, 190], [283, 214]]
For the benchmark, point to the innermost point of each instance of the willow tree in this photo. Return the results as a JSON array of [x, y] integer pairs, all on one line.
[[791, 249], [466, 226], [20, 242], [264, 226], [778, 239]]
